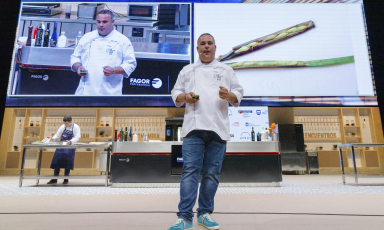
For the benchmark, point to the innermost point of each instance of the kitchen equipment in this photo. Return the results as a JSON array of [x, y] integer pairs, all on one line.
[[292, 150], [173, 128], [313, 162], [46, 9], [89, 10], [143, 11]]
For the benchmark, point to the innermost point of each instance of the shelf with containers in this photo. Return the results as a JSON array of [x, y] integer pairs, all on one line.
[[327, 127]]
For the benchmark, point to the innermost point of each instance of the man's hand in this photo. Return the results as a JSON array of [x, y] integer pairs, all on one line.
[[79, 68], [189, 99], [108, 71], [223, 93], [68, 142]]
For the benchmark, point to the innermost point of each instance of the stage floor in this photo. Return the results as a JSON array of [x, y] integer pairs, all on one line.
[[301, 202]]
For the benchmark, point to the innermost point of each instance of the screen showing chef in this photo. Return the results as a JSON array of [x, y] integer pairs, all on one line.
[[100, 49]]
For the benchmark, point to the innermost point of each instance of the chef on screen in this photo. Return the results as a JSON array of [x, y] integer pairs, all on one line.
[[65, 158], [102, 58]]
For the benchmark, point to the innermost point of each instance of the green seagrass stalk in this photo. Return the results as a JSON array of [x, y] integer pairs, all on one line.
[[265, 41], [290, 64]]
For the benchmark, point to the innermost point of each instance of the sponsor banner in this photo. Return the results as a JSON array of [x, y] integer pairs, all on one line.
[[243, 119]]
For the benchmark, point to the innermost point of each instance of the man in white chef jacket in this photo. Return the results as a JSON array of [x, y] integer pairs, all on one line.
[[102, 58], [205, 130]]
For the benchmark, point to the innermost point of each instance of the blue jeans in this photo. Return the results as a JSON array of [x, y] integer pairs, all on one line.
[[203, 151]]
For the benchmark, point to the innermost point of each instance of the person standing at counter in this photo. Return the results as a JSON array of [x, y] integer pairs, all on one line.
[[206, 87], [102, 58], [65, 158]]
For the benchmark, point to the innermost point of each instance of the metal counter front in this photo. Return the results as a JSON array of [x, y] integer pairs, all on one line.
[[161, 162]]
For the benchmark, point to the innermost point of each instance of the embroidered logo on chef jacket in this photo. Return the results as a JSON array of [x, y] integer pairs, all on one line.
[[218, 73], [83, 51], [217, 77], [110, 51], [188, 79]]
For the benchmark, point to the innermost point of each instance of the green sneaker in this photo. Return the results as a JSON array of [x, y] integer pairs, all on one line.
[[181, 225], [207, 221]]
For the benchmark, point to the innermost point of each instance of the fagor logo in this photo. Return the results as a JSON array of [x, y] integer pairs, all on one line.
[[258, 112], [232, 135], [179, 159], [45, 77], [140, 82], [265, 112], [126, 160], [157, 83]]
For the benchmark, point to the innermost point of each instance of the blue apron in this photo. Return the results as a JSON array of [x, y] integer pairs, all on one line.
[[64, 158]]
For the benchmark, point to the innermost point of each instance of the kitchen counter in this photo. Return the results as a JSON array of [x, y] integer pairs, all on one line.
[[60, 57], [161, 162]]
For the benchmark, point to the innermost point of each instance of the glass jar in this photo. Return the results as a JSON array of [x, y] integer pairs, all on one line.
[[37, 123], [352, 122], [106, 123], [101, 123], [346, 122], [31, 123]]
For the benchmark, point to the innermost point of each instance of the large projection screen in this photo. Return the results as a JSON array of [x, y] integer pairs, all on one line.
[[284, 53]]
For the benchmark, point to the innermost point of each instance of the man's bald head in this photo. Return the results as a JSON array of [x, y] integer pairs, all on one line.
[[206, 34]]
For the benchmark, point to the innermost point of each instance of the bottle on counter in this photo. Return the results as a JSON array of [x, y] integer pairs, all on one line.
[[262, 134], [29, 40], [253, 134], [54, 36], [134, 138], [121, 135], [39, 35], [46, 36], [68, 11], [126, 134], [79, 36], [62, 42], [145, 137], [115, 135], [266, 134], [35, 31], [130, 133], [258, 136]]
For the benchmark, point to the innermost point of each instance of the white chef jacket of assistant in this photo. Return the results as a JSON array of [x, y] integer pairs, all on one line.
[[76, 133], [94, 52], [210, 112]]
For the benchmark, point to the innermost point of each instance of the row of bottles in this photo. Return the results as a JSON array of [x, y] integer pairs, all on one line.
[[263, 136], [140, 125], [42, 36]]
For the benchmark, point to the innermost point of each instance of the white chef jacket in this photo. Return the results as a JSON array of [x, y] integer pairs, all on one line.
[[94, 52], [210, 112], [76, 133]]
